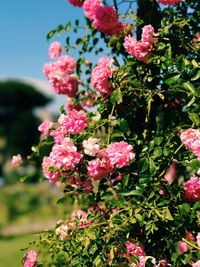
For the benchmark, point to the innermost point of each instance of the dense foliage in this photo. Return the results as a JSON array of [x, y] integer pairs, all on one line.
[[131, 162]]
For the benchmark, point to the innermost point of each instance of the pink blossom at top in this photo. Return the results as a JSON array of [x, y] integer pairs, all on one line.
[[148, 34], [192, 189], [169, 2], [91, 146], [31, 259], [191, 139], [16, 161], [182, 247], [120, 154], [45, 126], [196, 264], [90, 7], [74, 122], [105, 18], [100, 75], [198, 240], [60, 75], [78, 3], [63, 157], [101, 167], [171, 173], [55, 50]]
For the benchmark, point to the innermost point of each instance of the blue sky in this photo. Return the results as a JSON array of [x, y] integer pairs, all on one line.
[[23, 27]]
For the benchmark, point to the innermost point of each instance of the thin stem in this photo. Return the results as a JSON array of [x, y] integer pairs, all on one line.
[[190, 244]]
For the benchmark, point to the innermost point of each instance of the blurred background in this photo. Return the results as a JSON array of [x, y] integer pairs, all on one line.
[[26, 99]]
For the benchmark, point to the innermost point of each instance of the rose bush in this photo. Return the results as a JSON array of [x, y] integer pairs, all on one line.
[[131, 162]]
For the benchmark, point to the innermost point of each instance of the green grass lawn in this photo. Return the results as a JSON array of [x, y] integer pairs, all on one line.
[[10, 254]]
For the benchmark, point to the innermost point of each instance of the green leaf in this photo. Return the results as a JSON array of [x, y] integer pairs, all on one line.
[[116, 97], [143, 164], [51, 34], [152, 167], [67, 26], [194, 118], [93, 249], [173, 79], [158, 140], [157, 152], [124, 126], [166, 151], [167, 214]]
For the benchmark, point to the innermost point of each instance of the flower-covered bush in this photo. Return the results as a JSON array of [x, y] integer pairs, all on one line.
[[127, 145]]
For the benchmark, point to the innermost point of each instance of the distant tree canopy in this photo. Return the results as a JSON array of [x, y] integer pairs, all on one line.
[[18, 123]]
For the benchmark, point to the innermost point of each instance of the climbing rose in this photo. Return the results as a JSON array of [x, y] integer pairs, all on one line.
[[142, 50], [55, 50], [91, 146], [57, 135], [134, 250], [148, 34], [31, 258], [171, 173], [88, 187], [44, 127], [169, 2], [105, 18], [100, 75], [62, 231], [16, 161], [198, 239], [74, 122], [90, 7], [129, 44], [63, 157], [196, 264], [101, 167], [182, 247], [191, 139], [120, 154], [78, 3], [192, 189]]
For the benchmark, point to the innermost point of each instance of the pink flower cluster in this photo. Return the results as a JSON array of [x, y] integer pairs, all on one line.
[[100, 75], [143, 48], [78, 3], [169, 2], [105, 18], [61, 77], [31, 259], [191, 139], [192, 189], [117, 154], [91, 146], [134, 250], [16, 161], [62, 158], [74, 122]]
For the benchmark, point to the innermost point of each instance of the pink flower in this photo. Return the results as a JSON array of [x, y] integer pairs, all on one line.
[[91, 146], [58, 136], [191, 139], [192, 189], [101, 167], [120, 154], [62, 231], [198, 240], [90, 7], [31, 258], [105, 18], [169, 2], [148, 34], [63, 157], [70, 105], [74, 122], [129, 44], [196, 41], [16, 161], [55, 50], [59, 74], [134, 250], [142, 50], [182, 247], [171, 173], [78, 3], [88, 187], [44, 127], [100, 75], [196, 264]]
